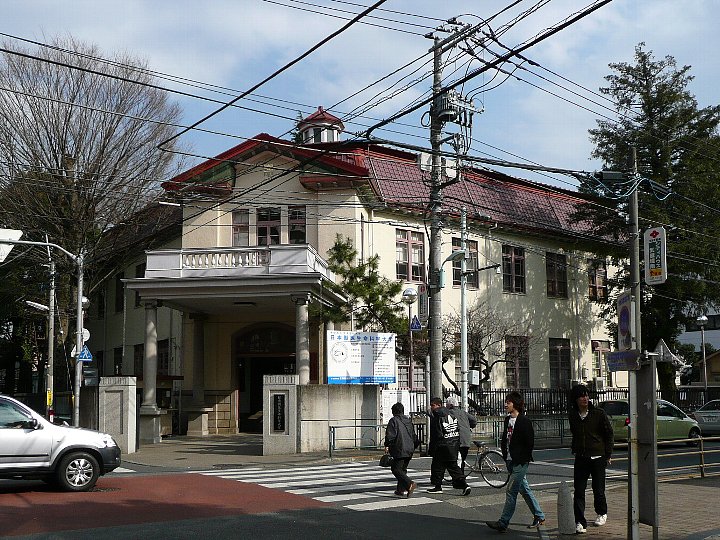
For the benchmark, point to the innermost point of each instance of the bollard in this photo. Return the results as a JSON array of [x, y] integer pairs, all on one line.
[[565, 513]]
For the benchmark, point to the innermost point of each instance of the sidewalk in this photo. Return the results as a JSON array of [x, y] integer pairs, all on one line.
[[688, 508]]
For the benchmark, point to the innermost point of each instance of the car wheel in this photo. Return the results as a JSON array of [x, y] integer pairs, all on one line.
[[694, 434], [78, 471]]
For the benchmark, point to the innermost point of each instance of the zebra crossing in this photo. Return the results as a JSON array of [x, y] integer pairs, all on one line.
[[359, 486]]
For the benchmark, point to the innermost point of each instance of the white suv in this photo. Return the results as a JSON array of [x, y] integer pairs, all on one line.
[[31, 447]]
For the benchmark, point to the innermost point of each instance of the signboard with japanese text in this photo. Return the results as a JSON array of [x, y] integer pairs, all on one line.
[[655, 244], [423, 304], [360, 357]]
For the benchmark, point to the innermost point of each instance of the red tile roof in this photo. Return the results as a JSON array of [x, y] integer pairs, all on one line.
[[321, 116]]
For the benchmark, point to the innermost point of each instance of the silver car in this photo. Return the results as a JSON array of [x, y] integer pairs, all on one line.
[[68, 457], [708, 417]]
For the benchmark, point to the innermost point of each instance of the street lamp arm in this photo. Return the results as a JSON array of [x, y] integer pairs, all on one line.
[[75, 258]]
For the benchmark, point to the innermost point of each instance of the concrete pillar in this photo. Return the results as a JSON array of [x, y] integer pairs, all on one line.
[[149, 412], [302, 338], [197, 411]]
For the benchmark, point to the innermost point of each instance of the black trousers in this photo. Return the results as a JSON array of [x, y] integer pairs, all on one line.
[[399, 469], [585, 468], [463, 455], [445, 457]]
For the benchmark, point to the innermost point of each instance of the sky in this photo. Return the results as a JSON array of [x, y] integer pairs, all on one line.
[[226, 47]]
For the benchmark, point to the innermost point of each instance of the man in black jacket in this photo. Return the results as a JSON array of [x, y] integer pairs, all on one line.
[[444, 446], [592, 444]]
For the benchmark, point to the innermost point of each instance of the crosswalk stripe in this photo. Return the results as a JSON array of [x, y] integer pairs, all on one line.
[[122, 470], [393, 503], [300, 475], [315, 481], [354, 496], [296, 470], [349, 487]]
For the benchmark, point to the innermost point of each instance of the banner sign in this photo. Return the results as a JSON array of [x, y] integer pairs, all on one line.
[[360, 357]]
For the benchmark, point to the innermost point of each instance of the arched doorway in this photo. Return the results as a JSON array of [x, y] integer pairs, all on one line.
[[259, 350]]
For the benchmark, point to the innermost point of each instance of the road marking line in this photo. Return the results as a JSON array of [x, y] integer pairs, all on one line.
[[282, 475], [123, 470], [289, 470], [393, 503], [353, 496]]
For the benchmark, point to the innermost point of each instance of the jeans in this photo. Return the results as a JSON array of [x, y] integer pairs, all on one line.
[[518, 484], [583, 469], [399, 469]]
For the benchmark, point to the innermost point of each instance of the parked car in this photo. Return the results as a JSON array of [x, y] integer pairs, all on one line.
[[671, 423], [708, 417], [31, 447]]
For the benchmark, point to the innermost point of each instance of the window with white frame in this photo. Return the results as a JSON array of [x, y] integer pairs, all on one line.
[[410, 255], [268, 226], [241, 228], [297, 228], [513, 265], [599, 349], [471, 263]]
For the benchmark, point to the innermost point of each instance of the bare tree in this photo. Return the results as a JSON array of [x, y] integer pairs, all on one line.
[[79, 154], [487, 332]]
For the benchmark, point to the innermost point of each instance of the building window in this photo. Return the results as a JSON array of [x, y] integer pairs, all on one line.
[[403, 375], [513, 264], [471, 263], [117, 360], [241, 228], [119, 292], [517, 357], [597, 278], [410, 255], [317, 135], [560, 370], [268, 226], [139, 273], [297, 225], [599, 350], [556, 270]]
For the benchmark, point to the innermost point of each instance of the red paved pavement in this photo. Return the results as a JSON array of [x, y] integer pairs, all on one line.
[[134, 500]]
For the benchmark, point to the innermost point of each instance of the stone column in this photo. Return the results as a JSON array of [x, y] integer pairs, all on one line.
[[149, 411], [302, 338], [197, 411]]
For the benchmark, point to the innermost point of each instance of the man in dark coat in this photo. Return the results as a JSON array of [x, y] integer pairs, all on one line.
[[444, 446], [400, 443], [592, 444]]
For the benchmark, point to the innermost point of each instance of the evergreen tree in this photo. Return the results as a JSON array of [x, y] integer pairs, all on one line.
[[677, 147]]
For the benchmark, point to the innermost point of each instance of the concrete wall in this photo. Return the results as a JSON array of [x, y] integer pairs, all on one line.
[[117, 411], [353, 406]]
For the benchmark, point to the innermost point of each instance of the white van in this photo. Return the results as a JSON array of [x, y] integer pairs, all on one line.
[[31, 447]]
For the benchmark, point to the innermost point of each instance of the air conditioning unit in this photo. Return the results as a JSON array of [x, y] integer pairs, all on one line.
[[599, 383]]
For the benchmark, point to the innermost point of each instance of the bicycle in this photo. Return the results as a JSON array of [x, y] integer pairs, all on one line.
[[490, 465]]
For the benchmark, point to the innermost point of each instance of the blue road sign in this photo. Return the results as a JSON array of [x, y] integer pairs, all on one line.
[[85, 355], [415, 325]]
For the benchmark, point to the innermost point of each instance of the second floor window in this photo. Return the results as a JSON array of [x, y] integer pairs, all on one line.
[[597, 278], [296, 225], [241, 228], [556, 270], [470, 264], [409, 255], [513, 265], [268, 226]]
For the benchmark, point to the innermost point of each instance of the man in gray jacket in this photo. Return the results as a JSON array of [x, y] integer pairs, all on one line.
[[401, 442], [466, 423]]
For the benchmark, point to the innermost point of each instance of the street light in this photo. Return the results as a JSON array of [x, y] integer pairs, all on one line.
[[702, 321], [409, 296], [10, 237]]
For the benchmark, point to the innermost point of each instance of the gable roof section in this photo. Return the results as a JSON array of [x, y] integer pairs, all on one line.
[[396, 182]]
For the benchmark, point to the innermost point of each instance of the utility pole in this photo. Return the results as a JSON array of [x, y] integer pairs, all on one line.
[[634, 498], [49, 376], [435, 300], [463, 311]]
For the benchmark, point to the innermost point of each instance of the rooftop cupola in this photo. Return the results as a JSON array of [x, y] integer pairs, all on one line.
[[320, 127]]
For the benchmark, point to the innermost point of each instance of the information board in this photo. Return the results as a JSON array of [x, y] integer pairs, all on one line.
[[360, 357]]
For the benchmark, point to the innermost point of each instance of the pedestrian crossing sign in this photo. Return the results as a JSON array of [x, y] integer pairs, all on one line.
[[415, 324], [85, 355]]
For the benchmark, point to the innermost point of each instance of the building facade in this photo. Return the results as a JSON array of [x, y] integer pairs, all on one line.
[[226, 301]]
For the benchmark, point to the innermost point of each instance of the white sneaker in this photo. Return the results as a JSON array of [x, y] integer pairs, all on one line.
[[579, 529], [601, 520]]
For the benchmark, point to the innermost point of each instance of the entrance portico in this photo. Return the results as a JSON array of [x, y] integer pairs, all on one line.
[[224, 293]]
